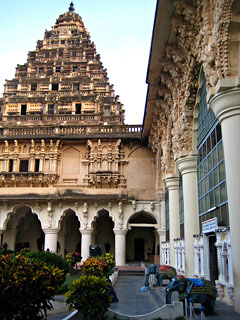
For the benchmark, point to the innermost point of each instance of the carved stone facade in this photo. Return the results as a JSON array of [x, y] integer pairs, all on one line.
[[193, 40], [105, 163], [70, 169], [199, 35]]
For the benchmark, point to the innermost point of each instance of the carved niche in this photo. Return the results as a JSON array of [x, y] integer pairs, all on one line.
[[104, 162]]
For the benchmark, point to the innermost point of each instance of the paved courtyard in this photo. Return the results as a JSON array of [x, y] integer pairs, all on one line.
[[134, 301]]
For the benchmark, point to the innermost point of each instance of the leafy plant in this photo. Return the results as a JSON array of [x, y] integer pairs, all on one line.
[[90, 296], [51, 259], [98, 266], [69, 280], [73, 258], [26, 287]]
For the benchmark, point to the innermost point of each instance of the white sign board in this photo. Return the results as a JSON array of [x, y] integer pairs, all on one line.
[[210, 225]]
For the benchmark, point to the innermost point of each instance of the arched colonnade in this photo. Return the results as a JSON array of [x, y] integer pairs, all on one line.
[[134, 236]]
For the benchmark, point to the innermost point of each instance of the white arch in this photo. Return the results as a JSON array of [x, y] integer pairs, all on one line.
[[152, 215], [96, 215], [63, 215], [14, 211]]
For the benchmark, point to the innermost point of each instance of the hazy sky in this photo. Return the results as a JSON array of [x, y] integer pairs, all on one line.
[[121, 30]]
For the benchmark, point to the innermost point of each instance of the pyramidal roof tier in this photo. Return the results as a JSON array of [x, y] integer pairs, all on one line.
[[63, 76]]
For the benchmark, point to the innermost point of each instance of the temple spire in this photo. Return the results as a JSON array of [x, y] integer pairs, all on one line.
[[71, 8]]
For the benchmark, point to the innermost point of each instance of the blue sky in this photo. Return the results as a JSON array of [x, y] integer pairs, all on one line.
[[121, 30]]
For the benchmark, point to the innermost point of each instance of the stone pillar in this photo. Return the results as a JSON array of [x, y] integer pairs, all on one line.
[[9, 237], [226, 106], [187, 165], [172, 183], [86, 242], [120, 246], [51, 237]]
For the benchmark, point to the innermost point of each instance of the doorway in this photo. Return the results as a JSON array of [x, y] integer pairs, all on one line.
[[139, 249], [23, 109], [213, 268]]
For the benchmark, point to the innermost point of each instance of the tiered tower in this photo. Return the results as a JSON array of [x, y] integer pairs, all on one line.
[[63, 80], [71, 172]]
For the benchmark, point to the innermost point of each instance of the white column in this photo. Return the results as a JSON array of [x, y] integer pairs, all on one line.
[[120, 246], [187, 165], [172, 183], [226, 106], [86, 242], [51, 237], [162, 238]]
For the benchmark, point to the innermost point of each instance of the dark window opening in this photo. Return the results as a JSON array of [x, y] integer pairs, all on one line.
[[74, 68], [33, 86], [51, 109], [60, 54], [55, 86], [167, 214], [58, 69], [62, 41], [23, 109], [74, 54], [46, 54], [10, 165], [41, 69], [37, 164], [107, 109], [23, 166], [78, 108]]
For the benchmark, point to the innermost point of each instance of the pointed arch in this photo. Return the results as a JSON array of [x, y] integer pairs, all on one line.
[[14, 210], [64, 213], [99, 212]]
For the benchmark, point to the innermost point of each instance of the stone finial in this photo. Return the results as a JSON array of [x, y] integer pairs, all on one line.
[[71, 8]]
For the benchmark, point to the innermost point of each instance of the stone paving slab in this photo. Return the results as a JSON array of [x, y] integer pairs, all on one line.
[[133, 301]]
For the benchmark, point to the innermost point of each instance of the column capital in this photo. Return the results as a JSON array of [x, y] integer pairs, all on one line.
[[50, 230], [86, 231], [172, 181], [120, 231], [161, 232], [226, 103], [187, 164]]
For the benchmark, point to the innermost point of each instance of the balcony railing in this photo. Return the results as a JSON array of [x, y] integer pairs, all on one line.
[[77, 131]]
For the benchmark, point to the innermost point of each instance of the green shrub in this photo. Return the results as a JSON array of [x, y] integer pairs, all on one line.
[[27, 286], [98, 266], [51, 259], [89, 295], [73, 258], [69, 280]]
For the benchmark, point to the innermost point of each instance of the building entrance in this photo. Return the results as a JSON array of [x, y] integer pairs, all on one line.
[[213, 259], [139, 249]]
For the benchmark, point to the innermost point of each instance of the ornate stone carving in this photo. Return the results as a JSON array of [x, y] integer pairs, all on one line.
[[104, 165], [120, 215], [202, 37], [85, 215]]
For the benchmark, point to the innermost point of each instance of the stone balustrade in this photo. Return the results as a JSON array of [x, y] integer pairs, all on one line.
[[62, 130]]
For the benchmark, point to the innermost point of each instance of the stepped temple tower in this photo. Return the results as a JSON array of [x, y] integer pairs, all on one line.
[[72, 174]]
